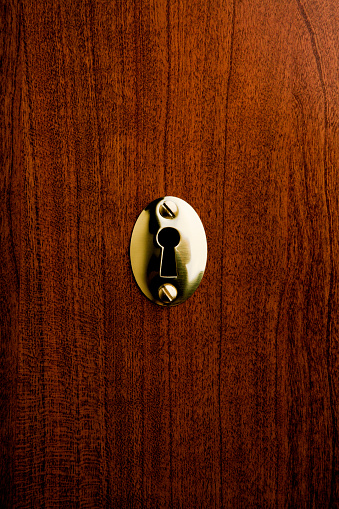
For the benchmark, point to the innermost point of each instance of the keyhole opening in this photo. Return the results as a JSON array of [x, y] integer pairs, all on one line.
[[168, 238]]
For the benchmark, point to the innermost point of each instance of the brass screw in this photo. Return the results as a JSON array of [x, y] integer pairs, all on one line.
[[167, 293], [168, 209]]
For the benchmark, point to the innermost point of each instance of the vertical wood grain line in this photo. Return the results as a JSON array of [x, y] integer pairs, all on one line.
[[221, 257], [10, 177], [138, 80], [317, 58], [9, 273], [170, 411], [168, 88], [32, 203], [94, 66], [276, 388]]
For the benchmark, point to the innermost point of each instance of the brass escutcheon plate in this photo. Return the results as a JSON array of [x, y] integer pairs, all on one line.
[[168, 251]]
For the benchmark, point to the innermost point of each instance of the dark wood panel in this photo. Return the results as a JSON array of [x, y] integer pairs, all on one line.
[[231, 399]]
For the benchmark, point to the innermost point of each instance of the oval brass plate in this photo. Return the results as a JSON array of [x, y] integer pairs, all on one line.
[[168, 251]]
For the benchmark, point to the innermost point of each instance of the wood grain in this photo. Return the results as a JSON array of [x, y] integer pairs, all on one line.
[[231, 399]]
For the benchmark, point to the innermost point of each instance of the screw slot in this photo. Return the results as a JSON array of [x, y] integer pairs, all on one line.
[[167, 293], [168, 209]]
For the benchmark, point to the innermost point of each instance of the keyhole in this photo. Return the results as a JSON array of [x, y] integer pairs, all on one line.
[[168, 238]]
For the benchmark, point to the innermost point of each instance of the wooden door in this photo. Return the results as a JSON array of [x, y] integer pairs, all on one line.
[[229, 400]]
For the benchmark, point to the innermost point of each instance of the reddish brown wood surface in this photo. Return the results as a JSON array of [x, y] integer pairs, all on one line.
[[231, 399]]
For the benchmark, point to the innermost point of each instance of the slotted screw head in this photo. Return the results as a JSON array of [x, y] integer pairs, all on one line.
[[167, 293], [168, 209]]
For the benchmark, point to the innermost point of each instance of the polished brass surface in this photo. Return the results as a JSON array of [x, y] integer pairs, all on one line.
[[168, 251]]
